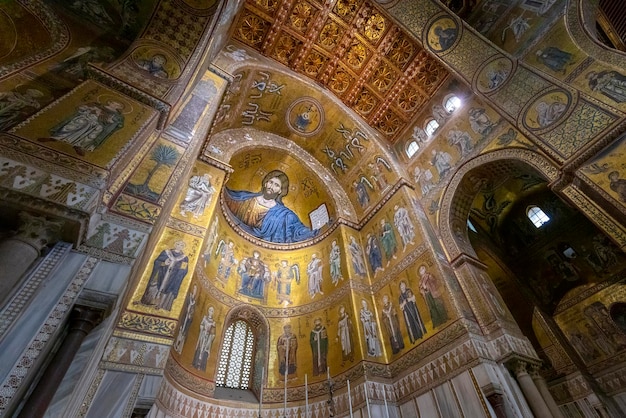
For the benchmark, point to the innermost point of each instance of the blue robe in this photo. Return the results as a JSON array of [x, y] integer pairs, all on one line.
[[280, 224]]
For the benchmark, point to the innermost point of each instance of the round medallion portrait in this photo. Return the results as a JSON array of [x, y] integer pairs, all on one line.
[[547, 110], [305, 116], [442, 34], [494, 74]]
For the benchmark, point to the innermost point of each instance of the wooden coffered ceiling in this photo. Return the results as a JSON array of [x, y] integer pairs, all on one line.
[[352, 49]]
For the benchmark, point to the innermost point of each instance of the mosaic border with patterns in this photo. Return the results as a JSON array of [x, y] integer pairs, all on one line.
[[614, 134], [41, 339], [125, 221], [105, 255], [130, 368], [606, 222], [613, 382], [178, 404], [58, 32], [24, 151], [185, 227], [130, 405], [216, 163], [474, 295], [91, 393], [15, 306], [584, 294], [25, 201], [59, 193], [184, 15], [589, 183], [135, 321], [581, 38], [131, 335], [206, 388], [608, 365], [566, 149], [413, 17], [150, 210], [574, 387]]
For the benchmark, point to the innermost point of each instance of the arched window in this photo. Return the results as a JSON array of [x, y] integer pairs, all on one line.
[[411, 149], [451, 103], [431, 127], [537, 216], [235, 364]]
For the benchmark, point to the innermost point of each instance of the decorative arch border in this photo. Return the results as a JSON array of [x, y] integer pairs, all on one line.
[[250, 313], [58, 31], [456, 202], [578, 13], [225, 144]]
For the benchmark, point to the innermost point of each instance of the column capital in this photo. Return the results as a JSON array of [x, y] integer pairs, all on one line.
[[520, 366], [534, 371], [84, 318], [38, 231]]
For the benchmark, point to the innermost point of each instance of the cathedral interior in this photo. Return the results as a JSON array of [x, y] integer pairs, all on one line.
[[312, 208]]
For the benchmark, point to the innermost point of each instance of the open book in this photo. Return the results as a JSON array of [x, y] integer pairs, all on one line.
[[319, 217]]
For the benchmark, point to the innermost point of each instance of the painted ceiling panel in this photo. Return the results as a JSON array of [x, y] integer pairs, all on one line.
[[352, 49]]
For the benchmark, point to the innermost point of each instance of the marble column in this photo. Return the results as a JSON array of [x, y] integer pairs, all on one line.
[[598, 406], [82, 320], [496, 400], [18, 253], [542, 386], [531, 393]]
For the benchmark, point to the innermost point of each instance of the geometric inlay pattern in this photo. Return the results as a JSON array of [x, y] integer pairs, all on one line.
[[585, 122]]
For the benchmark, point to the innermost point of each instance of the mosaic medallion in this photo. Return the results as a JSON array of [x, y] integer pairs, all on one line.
[[305, 116]]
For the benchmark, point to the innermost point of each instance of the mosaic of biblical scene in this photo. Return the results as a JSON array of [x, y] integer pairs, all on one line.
[[547, 110], [442, 34], [608, 171], [197, 339], [92, 123], [581, 256], [595, 326], [19, 99], [267, 277], [150, 178], [493, 75], [124, 18], [604, 83], [556, 54], [23, 34], [513, 29]]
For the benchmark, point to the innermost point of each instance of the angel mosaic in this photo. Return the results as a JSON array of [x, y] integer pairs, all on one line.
[[283, 278]]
